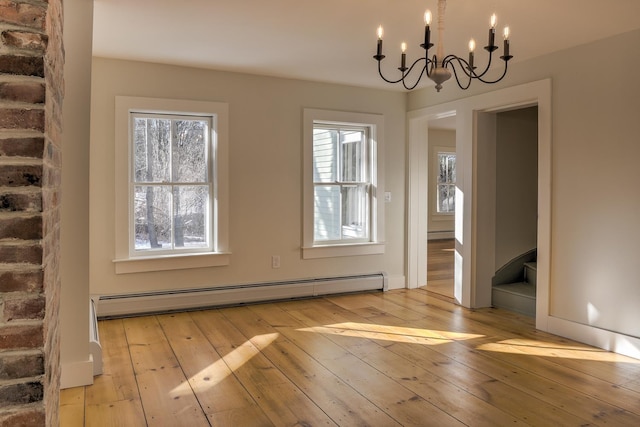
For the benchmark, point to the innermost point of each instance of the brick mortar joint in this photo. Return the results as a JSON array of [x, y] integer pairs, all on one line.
[[30, 190], [20, 353], [17, 381], [20, 215], [20, 161], [23, 322], [20, 267], [19, 105], [20, 133], [19, 243], [20, 295], [12, 78]]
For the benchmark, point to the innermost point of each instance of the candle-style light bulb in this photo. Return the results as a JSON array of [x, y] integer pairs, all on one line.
[[492, 34], [403, 58], [379, 56], [506, 55], [427, 31], [427, 17], [472, 47]]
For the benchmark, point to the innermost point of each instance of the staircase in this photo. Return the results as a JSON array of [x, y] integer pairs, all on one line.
[[520, 295]]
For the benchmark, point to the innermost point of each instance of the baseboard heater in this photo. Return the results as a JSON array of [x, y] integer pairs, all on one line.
[[112, 306], [95, 348]]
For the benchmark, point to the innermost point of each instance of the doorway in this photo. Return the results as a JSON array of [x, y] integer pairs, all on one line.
[[506, 178], [472, 285], [441, 206]]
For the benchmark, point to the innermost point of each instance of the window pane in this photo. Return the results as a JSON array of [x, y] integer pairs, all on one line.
[[451, 166], [151, 148], [190, 220], [327, 212], [152, 216], [355, 212], [442, 171], [446, 198], [353, 156], [189, 156], [324, 155]]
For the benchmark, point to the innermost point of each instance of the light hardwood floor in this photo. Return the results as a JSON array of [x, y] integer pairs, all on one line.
[[440, 258], [404, 357]]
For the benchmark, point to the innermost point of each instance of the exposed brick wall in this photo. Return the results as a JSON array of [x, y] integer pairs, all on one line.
[[31, 94]]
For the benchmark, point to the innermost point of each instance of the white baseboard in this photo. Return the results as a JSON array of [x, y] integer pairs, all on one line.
[[174, 300], [76, 374], [601, 338], [397, 282]]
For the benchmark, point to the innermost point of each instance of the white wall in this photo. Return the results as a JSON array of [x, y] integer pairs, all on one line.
[[439, 140], [77, 368], [594, 192], [265, 183], [516, 183]]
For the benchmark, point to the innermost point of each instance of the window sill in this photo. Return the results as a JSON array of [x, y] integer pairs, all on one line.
[[171, 262], [331, 251]]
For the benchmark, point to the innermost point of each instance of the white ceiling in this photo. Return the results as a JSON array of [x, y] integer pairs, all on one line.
[[334, 40]]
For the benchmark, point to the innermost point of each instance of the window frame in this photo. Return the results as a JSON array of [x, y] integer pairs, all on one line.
[[436, 206], [375, 127], [126, 259], [208, 182]]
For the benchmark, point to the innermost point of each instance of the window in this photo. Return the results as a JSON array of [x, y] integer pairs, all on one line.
[[171, 184], [342, 214], [341, 172], [446, 183]]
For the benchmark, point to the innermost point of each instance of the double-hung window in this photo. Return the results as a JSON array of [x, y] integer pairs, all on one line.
[[171, 189], [171, 204], [343, 178], [341, 183], [446, 183]]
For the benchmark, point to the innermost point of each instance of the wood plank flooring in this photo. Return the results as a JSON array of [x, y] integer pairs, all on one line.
[[404, 357], [440, 259]]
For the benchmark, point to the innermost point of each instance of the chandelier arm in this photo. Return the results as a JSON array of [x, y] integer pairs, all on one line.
[[504, 73], [464, 65], [423, 71], [386, 79], [455, 73], [479, 76], [416, 63]]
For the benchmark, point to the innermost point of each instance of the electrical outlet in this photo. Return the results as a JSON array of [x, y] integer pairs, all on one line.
[[275, 261]]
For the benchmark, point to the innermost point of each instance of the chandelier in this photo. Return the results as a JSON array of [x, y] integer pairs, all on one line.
[[439, 67]]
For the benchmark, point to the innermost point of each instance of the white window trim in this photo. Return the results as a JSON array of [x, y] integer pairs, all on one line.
[[440, 216], [376, 245], [124, 263]]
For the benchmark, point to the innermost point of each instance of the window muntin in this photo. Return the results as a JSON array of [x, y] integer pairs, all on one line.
[[446, 183], [342, 183], [172, 187]]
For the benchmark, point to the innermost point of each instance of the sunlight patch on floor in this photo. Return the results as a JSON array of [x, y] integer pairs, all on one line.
[[219, 370], [548, 349], [391, 333]]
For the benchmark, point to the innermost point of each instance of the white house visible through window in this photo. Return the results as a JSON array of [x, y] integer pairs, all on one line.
[[171, 185], [446, 183], [343, 214], [341, 179], [172, 188]]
